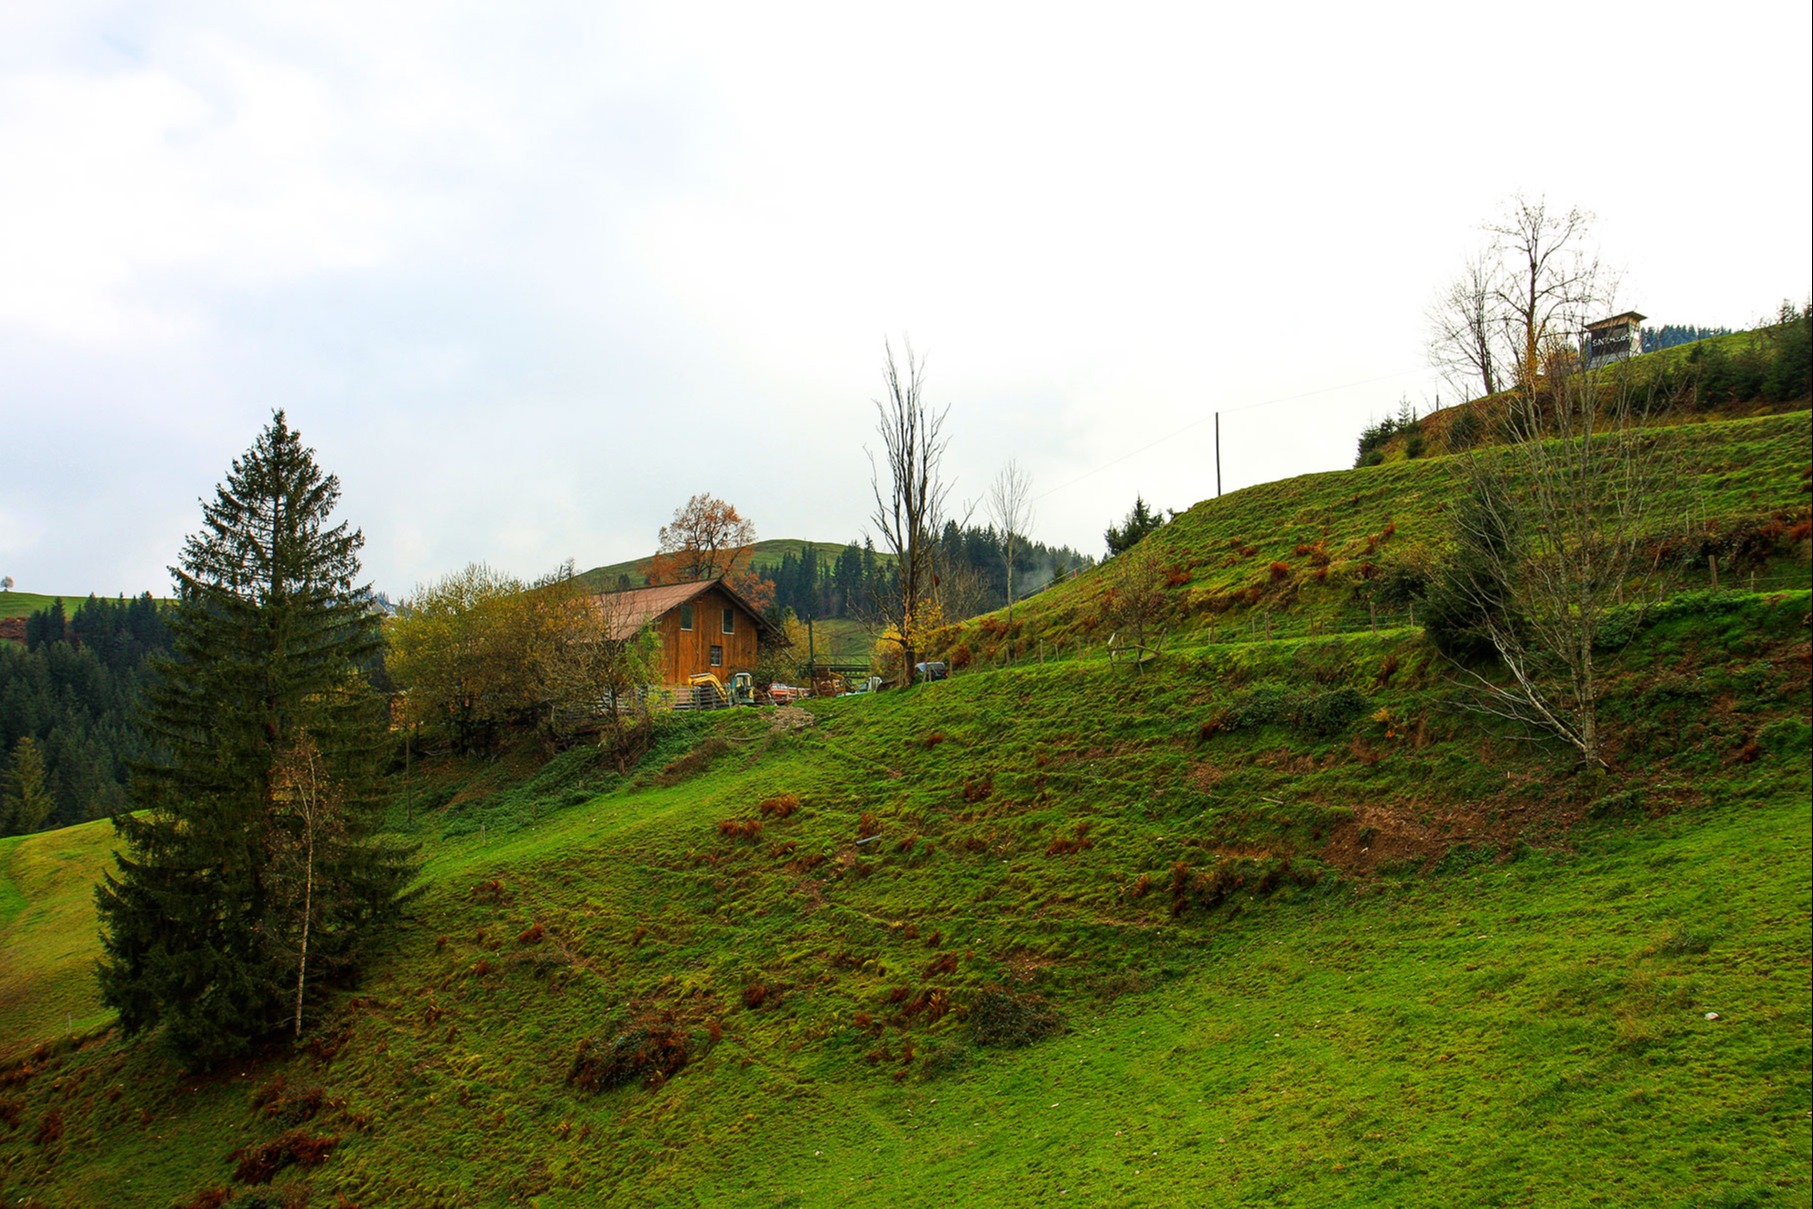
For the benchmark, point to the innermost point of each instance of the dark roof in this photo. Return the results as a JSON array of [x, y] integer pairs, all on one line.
[[1626, 317], [627, 612]]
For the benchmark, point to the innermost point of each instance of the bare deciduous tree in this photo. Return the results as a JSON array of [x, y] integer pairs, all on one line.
[[1547, 278], [1135, 603], [1556, 532], [307, 805], [614, 655], [1509, 306], [1464, 328], [1010, 507], [910, 512]]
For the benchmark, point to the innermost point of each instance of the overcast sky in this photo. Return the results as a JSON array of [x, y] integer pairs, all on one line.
[[528, 276]]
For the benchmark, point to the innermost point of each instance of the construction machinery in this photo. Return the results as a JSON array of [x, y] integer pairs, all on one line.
[[708, 692]]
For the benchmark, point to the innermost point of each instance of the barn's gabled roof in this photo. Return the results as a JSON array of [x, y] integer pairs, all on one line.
[[626, 612]]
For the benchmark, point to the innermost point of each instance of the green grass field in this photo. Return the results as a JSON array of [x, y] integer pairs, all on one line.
[[1480, 978], [1268, 921], [47, 938], [24, 604], [1295, 556]]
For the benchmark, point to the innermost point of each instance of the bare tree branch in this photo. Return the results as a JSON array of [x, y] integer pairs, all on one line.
[[1464, 328], [1557, 532], [910, 513], [1010, 508]]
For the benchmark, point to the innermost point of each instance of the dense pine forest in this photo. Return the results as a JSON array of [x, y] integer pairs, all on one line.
[[71, 690], [973, 559]]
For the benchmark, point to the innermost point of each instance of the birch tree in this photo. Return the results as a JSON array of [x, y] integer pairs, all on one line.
[[1010, 507]]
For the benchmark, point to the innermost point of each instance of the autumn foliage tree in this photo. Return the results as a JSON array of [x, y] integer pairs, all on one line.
[[479, 653], [709, 539]]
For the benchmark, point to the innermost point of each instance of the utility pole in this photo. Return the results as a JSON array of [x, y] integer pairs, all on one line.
[[1217, 455]]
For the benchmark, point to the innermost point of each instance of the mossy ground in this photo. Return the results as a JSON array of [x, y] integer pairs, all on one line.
[[1481, 977]]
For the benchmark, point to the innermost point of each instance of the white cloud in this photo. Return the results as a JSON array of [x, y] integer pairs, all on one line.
[[530, 278]]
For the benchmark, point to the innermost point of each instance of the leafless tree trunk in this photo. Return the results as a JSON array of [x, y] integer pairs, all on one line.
[[910, 513], [1547, 278], [625, 667], [1135, 602], [1010, 507], [1556, 531], [1464, 327], [302, 785], [1511, 304]]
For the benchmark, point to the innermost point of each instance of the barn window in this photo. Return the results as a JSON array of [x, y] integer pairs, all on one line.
[[730, 621], [717, 656], [686, 617]]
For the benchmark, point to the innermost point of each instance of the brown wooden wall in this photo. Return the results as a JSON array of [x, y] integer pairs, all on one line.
[[686, 653]]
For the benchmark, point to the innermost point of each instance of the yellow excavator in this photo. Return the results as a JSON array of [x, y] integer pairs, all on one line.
[[709, 692]]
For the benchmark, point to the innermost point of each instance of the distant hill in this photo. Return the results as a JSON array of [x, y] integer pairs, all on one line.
[[24, 604], [1725, 376], [767, 557]]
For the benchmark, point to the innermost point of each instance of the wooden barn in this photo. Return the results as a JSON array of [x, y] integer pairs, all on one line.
[[704, 627]]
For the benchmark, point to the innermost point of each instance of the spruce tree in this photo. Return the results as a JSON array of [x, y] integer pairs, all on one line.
[[200, 929], [27, 803]]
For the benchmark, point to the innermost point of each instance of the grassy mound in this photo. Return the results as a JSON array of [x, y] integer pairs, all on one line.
[[1331, 553], [1265, 922]]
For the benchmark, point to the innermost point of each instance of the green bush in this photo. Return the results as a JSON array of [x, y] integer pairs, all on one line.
[[1005, 1020], [1464, 430], [1785, 737], [1320, 712], [572, 777], [649, 1052]]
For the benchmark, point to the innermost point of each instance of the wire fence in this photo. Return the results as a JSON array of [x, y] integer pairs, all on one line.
[[1267, 625]]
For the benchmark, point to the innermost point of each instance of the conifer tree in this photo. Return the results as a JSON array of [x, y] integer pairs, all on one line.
[[199, 929], [27, 803]]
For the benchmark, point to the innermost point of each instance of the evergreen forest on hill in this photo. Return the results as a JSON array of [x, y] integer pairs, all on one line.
[[72, 687], [828, 582]]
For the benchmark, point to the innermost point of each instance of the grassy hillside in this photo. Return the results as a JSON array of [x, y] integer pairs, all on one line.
[[24, 604], [1404, 960], [1308, 554], [47, 938], [1764, 371], [1270, 921]]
